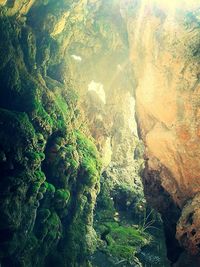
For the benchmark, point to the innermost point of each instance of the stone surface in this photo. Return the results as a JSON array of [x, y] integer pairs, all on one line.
[[164, 49], [50, 167], [188, 227], [58, 105], [61, 105], [166, 65]]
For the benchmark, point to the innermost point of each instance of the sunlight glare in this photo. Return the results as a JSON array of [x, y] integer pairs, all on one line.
[[172, 5]]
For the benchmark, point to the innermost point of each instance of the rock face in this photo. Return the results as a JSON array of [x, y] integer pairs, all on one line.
[[189, 225], [60, 113], [167, 98], [164, 42], [70, 74], [50, 167]]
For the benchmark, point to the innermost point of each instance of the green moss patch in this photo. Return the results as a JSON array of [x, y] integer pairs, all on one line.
[[122, 241], [90, 164]]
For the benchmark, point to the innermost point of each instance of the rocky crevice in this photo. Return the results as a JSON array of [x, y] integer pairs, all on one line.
[[64, 119]]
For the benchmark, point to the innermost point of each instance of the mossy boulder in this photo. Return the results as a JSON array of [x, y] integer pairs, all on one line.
[[123, 241]]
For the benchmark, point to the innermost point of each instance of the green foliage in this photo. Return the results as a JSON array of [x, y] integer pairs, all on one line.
[[124, 194], [50, 112], [39, 196]]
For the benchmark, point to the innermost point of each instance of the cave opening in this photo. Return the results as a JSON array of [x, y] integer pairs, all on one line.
[[99, 133]]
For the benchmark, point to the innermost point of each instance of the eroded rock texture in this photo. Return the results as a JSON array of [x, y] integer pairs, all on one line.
[[55, 95], [189, 225], [164, 40], [68, 75], [50, 167]]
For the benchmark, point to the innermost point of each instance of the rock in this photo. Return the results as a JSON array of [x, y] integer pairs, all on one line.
[[49, 172], [188, 226], [164, 41], [166, 78], [3, 2], [67, 98], [186, 260]]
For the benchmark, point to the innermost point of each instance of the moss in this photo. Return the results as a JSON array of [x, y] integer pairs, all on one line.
[[41, 142], [51, 213], [116, 203], [40, 176], [35, 188], [62, 162], [31, 245], [35, 158], [82, 240], [42, 119], [29, 47], [86, 145], [105, 209], [50, 187], [39, 196], [71, 157], [43, 215], [48, 111], [62, 105], [43, 189], [81, 235], [61, 199], [30, 93], [90, 163], [127, 197], [71, 98], [48, 229], [123, 241], [56, 111], [16, 122], [90, 170], [54, 224], [62, 194]]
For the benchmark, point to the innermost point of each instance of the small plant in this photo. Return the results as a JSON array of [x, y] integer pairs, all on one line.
[[148, 221]]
